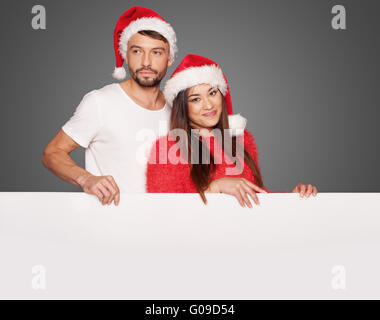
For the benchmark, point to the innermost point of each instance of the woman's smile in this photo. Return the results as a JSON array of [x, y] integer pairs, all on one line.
[[210, 114]]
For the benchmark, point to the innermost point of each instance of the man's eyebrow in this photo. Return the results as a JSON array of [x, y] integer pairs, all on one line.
[[159, 48], [135, 46]]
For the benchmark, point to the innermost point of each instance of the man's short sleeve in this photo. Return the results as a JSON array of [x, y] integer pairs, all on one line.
[[85, 122]]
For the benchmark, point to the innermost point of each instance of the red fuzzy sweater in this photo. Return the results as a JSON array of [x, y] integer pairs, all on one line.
[[175, 178]]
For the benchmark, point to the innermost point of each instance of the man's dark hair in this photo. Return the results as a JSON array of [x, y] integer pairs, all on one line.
[[154, 35]]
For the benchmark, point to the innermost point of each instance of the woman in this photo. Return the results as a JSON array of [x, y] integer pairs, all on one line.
[[208, 137]]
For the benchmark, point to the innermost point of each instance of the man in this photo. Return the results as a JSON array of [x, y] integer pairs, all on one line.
[[107, 120]]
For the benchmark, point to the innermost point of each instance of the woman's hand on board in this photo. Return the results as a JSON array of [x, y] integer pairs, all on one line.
[[305, 190], [237, 187]]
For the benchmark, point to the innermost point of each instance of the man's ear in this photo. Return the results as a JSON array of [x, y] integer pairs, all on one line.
[[170, 62]]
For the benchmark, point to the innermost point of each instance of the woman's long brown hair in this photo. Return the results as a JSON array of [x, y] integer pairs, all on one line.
[[201, 173]]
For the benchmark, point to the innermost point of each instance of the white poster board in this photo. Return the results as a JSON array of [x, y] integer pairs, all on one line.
[[172, 246]]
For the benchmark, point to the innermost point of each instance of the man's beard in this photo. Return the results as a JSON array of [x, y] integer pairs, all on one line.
[[143, 81]]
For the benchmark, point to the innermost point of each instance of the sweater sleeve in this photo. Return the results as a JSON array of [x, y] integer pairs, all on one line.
[[251, 147], [162, 176]]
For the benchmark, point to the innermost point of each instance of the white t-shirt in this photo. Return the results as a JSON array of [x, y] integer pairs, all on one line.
[[117, 134]]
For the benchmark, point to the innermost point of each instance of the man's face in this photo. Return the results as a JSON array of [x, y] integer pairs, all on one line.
[[147, 59]]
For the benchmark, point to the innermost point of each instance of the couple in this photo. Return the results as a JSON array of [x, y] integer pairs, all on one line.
[[108, 122]]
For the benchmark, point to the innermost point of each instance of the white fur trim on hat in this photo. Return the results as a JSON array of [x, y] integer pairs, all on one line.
[[155, 24], [119, 73], [237, 123], [208, 74]]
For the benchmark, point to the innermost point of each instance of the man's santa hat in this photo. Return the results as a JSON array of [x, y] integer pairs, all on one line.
[[132, 21], [194, 70]]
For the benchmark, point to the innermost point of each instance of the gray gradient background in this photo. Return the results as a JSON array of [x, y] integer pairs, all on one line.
[[310, 93]]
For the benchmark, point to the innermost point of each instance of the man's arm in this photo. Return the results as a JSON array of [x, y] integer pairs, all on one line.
[[56, 158]]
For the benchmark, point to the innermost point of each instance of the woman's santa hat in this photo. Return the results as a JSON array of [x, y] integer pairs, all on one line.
[[132, 21], [194, 70]]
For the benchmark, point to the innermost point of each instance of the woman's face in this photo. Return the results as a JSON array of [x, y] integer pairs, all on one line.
[[204, 105]]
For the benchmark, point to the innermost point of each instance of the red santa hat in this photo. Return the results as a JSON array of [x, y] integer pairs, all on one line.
[[132, 21], [194, 70]]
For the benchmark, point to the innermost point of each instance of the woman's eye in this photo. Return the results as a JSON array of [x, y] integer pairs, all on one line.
[[195, 100], [213, 93]]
